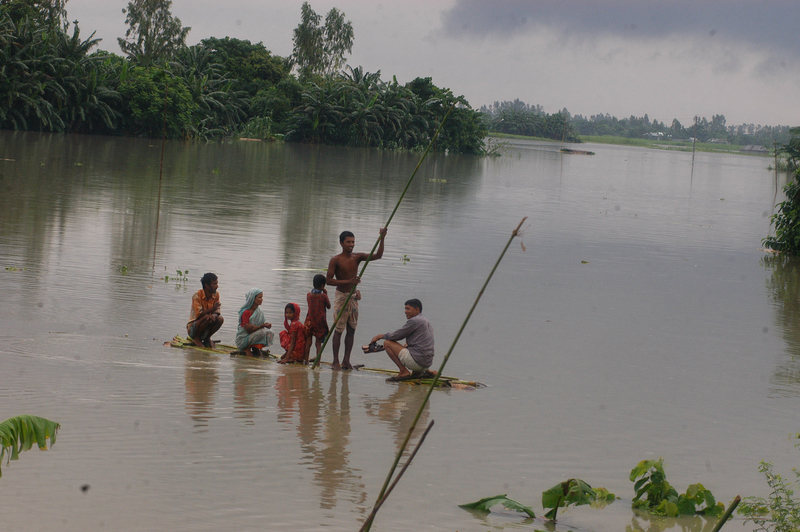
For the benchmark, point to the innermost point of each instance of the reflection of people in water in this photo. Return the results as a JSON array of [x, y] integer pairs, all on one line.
[[399, 410], [332, 470], [323, 426], [250, 382], [200, 380]]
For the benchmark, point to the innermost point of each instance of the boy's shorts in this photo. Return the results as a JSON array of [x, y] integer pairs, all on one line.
[[409, 362], [350, 314]]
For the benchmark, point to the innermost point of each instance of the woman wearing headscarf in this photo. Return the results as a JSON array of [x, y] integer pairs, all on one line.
[[293, 339], [253, 332]]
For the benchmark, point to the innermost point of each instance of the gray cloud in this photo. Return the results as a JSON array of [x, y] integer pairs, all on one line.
[[767, 26]]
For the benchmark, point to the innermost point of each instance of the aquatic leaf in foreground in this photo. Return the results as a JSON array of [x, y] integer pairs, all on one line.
[[573, 491], [21, 432], [484, 505]]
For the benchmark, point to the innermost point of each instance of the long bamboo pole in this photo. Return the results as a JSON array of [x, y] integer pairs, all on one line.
[[397, 479], [375, 246], [727, 514], [515, 233]]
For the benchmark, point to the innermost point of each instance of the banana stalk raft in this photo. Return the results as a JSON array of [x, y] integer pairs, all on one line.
[[424, 380]]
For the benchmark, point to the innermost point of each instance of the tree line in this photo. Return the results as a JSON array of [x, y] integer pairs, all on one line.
[[519, 118], [52, 79]]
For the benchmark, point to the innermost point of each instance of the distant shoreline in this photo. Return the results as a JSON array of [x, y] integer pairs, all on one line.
[[644, 143]]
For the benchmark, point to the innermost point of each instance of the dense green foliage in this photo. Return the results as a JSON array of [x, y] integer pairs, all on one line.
[[787, 220], [359, 109], [655, 494], [51, 81], [21, 432], [517, 118]]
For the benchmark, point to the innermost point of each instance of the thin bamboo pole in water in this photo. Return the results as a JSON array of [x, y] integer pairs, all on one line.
[[399, 455]]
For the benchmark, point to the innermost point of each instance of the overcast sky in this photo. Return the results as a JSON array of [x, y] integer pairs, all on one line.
[[667, 58]]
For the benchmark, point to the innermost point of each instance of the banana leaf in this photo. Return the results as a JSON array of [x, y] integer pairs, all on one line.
[[21, 432], [484, 505], [573, 491]]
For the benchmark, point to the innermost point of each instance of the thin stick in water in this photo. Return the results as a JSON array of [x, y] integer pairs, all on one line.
[[435, 381], [397, 479], [727, 514]]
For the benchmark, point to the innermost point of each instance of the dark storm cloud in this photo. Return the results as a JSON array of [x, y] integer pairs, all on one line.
[[768, 26]]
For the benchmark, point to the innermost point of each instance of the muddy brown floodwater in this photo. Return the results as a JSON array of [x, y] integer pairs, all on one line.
[[641, 321]]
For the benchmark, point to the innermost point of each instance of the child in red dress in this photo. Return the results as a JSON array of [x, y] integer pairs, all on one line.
[[293, 339], [317, 319]]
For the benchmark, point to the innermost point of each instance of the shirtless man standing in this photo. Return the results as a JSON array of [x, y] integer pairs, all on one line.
[[343, 274]]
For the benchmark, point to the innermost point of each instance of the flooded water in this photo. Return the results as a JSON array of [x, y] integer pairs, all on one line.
[[640, 320]]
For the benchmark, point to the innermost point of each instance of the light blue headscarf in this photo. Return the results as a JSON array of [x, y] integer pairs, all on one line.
[[250, 298]]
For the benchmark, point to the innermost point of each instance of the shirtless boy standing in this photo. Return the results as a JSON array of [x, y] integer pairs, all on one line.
[[343, 274]]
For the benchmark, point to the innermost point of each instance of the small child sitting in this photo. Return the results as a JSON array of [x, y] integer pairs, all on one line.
[[293, 339], [316, 320]]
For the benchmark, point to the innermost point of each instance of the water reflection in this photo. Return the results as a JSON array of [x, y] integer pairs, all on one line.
[[398, 412], [642, 521], [783, 288], [250, 382], [323, 426], [200, 379]]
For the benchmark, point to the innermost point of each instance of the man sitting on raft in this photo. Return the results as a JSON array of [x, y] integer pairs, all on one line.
[[416, 356], [205, 319]]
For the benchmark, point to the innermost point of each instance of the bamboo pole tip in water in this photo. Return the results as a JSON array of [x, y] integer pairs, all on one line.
[[516, 231]]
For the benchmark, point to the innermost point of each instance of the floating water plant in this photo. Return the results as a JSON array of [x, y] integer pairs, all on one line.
[[656, 495], [180, 277], [21, 432], [574, 492], [485, 504]]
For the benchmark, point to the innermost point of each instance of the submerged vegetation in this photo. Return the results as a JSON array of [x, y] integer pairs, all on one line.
[[653, 494], [21, 432], [53, 80], [656, 495]]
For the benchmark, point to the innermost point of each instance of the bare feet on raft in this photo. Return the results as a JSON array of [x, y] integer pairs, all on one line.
[[197, 342], [347, 365], [336, 366]]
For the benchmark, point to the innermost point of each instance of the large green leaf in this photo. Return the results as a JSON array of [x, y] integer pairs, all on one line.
[[21, 432], [485, 504], [573, 491]]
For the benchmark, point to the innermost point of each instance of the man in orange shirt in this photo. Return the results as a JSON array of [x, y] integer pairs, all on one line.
[[205, 318]]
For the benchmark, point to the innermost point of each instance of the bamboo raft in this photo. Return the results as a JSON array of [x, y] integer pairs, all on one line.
[[454, 383]]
